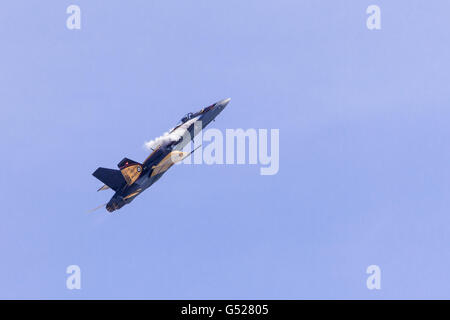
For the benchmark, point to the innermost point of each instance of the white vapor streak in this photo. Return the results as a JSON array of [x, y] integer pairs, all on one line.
[[171, 136]]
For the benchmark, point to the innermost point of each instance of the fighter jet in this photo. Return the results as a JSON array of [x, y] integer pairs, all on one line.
[[133, 177]]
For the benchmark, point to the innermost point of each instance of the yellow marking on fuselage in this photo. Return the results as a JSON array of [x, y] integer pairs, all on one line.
[[133, 194], [168, 161]]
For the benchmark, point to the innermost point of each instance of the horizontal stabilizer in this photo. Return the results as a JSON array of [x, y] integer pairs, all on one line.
[[110, 177], [104, 187]]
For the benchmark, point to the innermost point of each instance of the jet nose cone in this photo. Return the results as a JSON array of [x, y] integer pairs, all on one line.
[[223, 103]]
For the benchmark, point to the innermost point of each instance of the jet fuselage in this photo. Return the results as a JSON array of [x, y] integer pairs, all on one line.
[[163, 156]]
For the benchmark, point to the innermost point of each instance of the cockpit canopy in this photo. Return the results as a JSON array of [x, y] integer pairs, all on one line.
[[187, 117]]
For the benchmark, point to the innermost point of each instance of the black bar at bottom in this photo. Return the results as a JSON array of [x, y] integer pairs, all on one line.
[[223, 309]]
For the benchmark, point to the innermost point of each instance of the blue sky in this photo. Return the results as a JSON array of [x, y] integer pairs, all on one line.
[[364, 158]]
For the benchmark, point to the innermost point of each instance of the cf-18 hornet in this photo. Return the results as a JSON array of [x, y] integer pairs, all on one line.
[[133, 177]]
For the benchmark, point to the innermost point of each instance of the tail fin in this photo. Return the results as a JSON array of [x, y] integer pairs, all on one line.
[[110, 177], [130, 169], [126, 163]]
